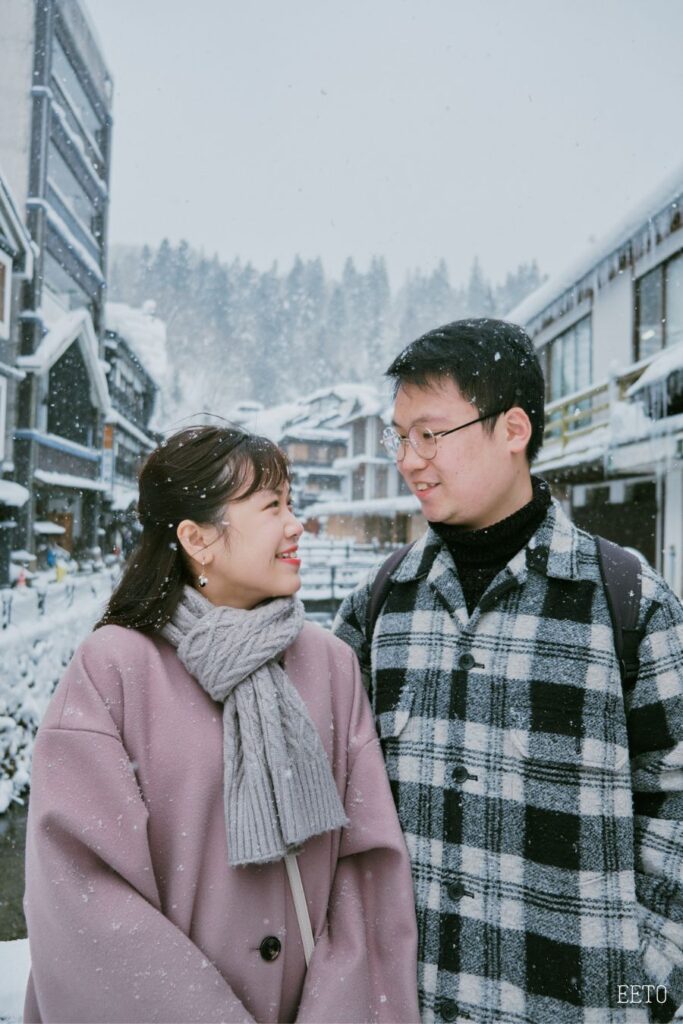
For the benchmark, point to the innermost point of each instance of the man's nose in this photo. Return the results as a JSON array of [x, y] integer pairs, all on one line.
[[411, 460]]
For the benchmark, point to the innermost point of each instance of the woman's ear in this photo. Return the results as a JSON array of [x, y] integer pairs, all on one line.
[[195, 541], [518, 429]]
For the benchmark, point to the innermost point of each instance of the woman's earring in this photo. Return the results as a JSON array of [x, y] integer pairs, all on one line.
[[202, 579]]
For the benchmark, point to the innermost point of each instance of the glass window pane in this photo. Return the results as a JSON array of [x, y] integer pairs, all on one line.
[[674, 300], [3, 288], [649, 335], [556, 368], [569, 362], [584, 354]]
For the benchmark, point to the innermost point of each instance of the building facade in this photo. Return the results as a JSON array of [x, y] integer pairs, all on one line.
[[375, 505], [135, 343], [55, 138], [609, 333]]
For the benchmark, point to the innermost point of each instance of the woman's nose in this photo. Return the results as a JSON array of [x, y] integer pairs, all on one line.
[[294, 528]]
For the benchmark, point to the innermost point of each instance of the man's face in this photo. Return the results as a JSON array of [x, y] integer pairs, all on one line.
[[476, 478]]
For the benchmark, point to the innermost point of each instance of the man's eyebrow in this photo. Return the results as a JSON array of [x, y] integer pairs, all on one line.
[[421, 419]]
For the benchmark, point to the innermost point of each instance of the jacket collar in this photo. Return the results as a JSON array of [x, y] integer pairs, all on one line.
[[558, 549]]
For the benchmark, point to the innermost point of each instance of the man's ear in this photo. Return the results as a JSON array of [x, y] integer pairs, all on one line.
[[195, 541], [517, 429]]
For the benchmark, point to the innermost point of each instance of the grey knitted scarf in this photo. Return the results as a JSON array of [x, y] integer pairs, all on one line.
[[278, 785]]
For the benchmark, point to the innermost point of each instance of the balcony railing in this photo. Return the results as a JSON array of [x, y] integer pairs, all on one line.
[[584, 412]]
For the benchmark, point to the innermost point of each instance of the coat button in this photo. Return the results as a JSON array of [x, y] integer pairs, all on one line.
[[466, 661], [449, 1009], [270, 948], [455, 890], [460, 774]]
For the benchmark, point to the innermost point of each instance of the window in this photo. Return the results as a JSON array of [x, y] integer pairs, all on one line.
[[70, 191], [70, 84], [358, 437], [5, 293], [569, 361], [659, 308], [381, 481], [358, 484], [60, 282]]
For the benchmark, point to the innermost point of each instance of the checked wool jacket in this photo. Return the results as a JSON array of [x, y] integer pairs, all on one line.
[[542, 807]]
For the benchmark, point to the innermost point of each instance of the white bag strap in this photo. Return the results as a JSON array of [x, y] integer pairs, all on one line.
[[300, 905]]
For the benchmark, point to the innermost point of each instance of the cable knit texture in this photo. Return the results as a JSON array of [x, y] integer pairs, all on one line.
[[279, 789]]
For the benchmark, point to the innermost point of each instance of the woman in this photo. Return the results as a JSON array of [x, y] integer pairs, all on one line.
[[201, 737]]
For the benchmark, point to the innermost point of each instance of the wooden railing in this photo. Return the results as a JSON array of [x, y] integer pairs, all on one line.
[[583, 412]]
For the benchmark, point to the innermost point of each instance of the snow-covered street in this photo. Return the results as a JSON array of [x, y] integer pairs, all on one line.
[[14, 968]]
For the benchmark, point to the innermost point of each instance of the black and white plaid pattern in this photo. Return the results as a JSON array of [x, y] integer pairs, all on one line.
[[544, 818]]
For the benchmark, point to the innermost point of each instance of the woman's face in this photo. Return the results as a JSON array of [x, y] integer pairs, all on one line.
[[255, 556]]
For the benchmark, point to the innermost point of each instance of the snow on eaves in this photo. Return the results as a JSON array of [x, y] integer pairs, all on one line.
[[78, 483], [117, 418], [668, 362], [69, 239], [13, 494], [669, 193], [144, 332]]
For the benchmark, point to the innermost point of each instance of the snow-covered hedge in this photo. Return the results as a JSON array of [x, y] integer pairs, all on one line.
[[39, 631]]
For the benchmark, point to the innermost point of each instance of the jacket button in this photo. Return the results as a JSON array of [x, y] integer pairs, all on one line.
[[466, 661], [449, 1009], [270, 948], [455, 890], [460, 774]]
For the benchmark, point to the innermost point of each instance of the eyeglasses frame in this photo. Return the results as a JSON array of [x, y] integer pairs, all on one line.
[[435, 434]]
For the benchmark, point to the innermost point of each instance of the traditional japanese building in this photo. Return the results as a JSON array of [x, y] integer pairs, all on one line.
[[55, 135], [609, 333], [135, 350], [16, 271]]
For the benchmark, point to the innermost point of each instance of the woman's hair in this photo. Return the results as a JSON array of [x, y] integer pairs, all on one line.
[[191, 475]]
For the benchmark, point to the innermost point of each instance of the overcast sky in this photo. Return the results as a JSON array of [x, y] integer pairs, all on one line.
[[509, 129]]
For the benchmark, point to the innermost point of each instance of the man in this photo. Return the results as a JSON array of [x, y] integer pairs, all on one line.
[[542, 802]]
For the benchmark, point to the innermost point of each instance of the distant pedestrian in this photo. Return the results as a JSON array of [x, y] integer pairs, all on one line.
[[541, 794], [209, 806]]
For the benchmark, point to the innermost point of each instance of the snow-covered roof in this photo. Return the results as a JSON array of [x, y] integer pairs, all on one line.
[[144, 332], [79, 483], [73, 326], [327, 409], [305, 433], [386, 507], [668, 194], [13, 494]]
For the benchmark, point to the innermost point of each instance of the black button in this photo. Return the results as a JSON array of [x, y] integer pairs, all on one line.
[[449, 1009], [460, 774], [466, 661], [455, 890], [270, 948]]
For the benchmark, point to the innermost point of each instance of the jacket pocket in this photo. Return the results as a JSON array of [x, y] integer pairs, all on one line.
[[561, 732], [392, 722]]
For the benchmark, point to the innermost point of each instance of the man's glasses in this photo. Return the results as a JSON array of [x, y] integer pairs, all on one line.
[[422, 440]]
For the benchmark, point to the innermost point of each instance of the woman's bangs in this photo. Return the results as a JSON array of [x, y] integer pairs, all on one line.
[[261, 466]]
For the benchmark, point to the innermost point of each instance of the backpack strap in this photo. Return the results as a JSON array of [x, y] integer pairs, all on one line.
[[622, 577], [381, 586]]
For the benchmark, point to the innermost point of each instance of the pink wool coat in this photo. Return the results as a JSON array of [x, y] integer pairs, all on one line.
[[134, 913]]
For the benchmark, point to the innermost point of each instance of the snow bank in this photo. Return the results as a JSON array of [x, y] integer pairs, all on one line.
[[14, 967], [40, 629]]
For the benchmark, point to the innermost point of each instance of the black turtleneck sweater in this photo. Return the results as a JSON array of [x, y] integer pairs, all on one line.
[[479, 555]]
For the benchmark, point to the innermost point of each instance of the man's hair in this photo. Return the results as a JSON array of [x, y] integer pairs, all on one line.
[[492, 363]]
